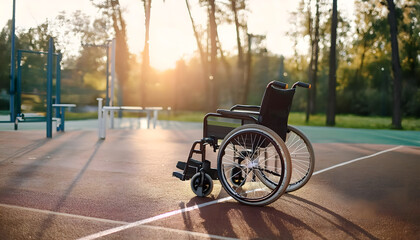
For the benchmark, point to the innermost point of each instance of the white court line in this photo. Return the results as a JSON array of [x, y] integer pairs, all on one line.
[[197, 234], [201, 235], [168, 214], [63, 214], [148, 220], [355, 160]]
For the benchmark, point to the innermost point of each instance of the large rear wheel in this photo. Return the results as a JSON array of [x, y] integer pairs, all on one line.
[[251, 160], [302, 156]]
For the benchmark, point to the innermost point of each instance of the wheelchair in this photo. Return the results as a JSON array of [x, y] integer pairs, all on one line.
[[260, 156]]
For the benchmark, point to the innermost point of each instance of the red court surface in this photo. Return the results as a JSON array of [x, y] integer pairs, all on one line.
[[76, 186]]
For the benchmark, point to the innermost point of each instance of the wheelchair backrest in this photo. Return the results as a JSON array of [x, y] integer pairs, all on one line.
[[275, 108]]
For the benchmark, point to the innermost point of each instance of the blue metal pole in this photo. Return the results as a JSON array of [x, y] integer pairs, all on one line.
[[12, 67], [49, 87], [19, 84], [58, 85]]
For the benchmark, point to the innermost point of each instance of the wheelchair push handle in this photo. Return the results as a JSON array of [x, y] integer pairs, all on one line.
[[279, 84], [301, 84], [285, 85]]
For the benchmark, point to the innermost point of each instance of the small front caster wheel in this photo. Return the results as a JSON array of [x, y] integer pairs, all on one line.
[[201, 187]]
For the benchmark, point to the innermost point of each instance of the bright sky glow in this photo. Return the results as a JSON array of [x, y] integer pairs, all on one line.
[[171, 35]]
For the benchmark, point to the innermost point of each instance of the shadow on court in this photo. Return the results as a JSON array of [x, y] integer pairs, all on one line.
[[73, 186]]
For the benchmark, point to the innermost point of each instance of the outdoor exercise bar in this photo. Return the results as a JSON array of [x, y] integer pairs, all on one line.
[[105, 111], [16, 111]]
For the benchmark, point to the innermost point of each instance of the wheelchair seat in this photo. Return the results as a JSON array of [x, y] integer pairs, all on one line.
[[273, 112]]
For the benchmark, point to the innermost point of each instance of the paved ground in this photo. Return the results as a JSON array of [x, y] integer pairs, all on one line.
[[74, 185]]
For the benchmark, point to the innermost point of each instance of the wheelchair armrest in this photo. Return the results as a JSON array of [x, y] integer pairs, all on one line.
[[252, 108], [219, 131], [238, 115]]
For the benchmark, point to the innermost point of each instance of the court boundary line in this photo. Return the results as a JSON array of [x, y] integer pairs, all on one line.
[[63, 214], [197, 234], [113, 221], [152, 219], [183, 210], [356, 160]]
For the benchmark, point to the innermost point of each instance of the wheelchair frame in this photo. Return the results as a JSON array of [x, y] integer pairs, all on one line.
[[201, 173]]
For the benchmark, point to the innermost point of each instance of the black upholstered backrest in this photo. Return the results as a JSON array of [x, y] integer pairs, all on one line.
[[275, 108]]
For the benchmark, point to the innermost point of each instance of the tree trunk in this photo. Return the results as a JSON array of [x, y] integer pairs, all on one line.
[[203, 55], [241, 71], [362, 60], [309, 104], [315, 69], [238, 36], [122, 53], [313, 65], [396, 67], [146, 58], [249, 71], [213, 57], [311, 62], [228, 70], [332, 81]]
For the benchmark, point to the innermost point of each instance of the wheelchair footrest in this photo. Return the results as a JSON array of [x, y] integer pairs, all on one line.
[[178, 175], [193, 167], [191, 164]]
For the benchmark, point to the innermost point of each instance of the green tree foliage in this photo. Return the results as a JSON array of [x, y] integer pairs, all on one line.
[[84, 73], [5, 60], [35, 39], [364, 71], [367, 82], [409, 36], [33, 66]]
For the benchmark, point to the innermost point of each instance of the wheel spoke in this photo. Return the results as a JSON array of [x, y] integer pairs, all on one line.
[[251, 164], [302, 157]]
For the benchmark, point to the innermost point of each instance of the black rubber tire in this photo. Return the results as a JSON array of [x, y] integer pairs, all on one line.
[[207, 185], [302, 156], [254, 190]]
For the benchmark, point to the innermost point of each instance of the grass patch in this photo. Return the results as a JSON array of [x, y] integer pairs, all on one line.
[[81, 116], [295, 118], [353, 121], [94, 115], [183, 116]]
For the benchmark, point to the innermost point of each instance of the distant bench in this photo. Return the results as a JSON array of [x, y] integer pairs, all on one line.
[[103, 113]]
